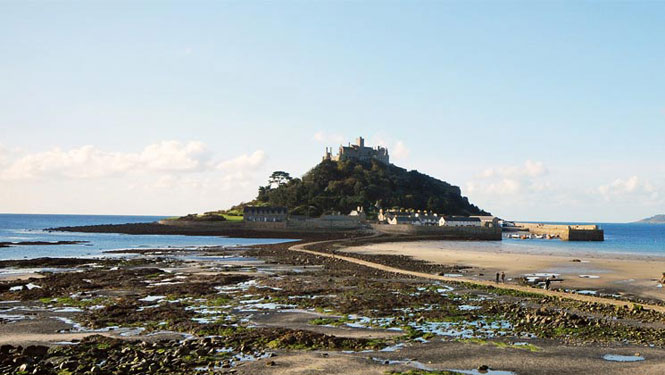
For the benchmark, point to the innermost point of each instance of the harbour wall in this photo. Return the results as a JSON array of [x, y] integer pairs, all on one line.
[[484, 233], [309, 225], [566, 232]]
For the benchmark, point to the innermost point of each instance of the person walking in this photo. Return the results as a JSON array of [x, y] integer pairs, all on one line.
[[503, 277], [547, 284], [497, 277]]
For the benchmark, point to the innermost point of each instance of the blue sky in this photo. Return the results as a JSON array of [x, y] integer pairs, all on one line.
[[537, 110]]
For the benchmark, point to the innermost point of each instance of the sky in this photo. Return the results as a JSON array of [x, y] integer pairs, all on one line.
[[548, 110]]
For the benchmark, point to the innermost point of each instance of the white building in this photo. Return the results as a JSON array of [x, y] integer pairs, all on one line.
[[427, 218], [359, 213], [404, 219], [489, 221], [459, 221]]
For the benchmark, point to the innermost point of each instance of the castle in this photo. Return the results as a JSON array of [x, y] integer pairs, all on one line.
[[358, 152]]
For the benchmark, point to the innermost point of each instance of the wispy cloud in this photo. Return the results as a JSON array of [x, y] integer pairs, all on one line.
[[244, 162], [400, 150], [528, 169], [632, 187], [397, 148], [508, 180]]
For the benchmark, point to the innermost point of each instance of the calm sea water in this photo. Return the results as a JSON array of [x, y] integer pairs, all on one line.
[[17, 228], [642, 239]]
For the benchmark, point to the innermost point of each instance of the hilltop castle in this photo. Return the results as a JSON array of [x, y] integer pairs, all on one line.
[[358, 152]]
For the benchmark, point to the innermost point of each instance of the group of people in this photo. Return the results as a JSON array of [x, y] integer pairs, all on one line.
[[501, 276]]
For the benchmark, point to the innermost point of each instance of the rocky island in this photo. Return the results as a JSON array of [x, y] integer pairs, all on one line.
[[350, 293]]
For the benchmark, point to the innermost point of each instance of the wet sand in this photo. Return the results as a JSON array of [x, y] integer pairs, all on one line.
[[289, 311], [609, 272]]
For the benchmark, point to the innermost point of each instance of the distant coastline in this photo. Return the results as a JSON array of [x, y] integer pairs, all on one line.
[[656, 219]]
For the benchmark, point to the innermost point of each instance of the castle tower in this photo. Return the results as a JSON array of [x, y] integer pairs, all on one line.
[[358, 152]]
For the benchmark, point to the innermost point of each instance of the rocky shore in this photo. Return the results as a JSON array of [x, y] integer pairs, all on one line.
[[269, 310], [40, 243], [194, 230]]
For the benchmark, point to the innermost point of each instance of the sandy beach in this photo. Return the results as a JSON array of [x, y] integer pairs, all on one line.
[[300, 308], [609, 273]]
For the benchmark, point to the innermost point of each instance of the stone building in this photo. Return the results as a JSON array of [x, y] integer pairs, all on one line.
[[359, 212], [358, 152], [265, 214], [459, 221], [408, 217], [489, 221]]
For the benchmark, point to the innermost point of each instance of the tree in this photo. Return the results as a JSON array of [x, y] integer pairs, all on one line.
[[278, 178], [333, 186]]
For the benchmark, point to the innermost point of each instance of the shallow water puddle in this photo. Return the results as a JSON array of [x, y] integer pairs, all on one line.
[[623, 358], [368, 323], [66, 310], [14, 318], [238, 358], [152, 298], [392, 348], [537, 277], [465, 329], [29, 286], [66, 343], [483, 372], [405, 362]]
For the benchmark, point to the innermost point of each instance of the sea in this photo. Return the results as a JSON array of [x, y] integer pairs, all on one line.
[[620, 238], [20, 228], [629, 239], [634, 238]]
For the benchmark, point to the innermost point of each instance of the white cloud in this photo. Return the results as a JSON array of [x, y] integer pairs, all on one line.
[[397, 149], [529, 169], [499, 187], [510, 180], [82, 162], [162, 159], [630, 187], [239, 171], [3, 155], [173, 155], [401, 151], [244, 162]]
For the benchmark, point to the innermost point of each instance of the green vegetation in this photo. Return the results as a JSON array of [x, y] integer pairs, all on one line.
[[326, 322], [342, 186], [502, 345], [473, 340], [73, 302], [233, 215]]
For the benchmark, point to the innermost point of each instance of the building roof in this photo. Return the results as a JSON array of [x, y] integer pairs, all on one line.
[[405, 219], [460, 218], [264, 209]]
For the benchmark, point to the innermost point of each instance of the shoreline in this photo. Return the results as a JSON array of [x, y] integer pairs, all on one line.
[[523, 248], [292, 308], [592, 273]]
